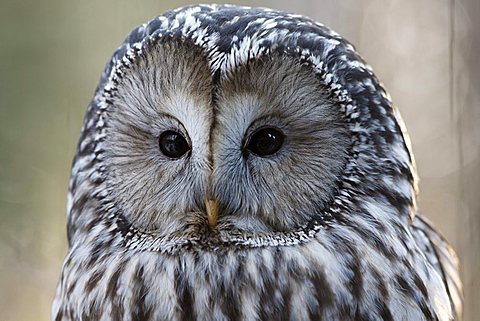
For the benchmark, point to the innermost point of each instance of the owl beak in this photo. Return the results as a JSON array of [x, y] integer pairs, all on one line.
[[212, 207]]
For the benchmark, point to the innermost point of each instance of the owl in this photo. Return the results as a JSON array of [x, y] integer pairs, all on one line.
[[243, 163]]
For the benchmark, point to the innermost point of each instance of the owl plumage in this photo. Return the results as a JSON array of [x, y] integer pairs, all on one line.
[[289, 193]]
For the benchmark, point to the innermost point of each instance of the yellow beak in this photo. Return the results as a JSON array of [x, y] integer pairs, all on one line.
[[212, 207]]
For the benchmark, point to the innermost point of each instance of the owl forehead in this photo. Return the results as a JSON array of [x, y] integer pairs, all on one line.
[[174, 79], [229, 37]]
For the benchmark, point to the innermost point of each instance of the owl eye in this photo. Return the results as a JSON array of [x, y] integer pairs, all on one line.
[[265, 141], [173, 144]]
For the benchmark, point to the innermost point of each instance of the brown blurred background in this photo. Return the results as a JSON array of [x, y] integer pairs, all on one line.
[[52, 53]]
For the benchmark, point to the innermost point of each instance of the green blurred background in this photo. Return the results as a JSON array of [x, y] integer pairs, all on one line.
[[51, 56]]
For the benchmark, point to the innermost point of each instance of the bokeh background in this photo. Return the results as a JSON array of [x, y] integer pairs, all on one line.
[[52, 52]]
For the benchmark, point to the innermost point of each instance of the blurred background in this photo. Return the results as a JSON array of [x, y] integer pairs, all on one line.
[[52, 53]]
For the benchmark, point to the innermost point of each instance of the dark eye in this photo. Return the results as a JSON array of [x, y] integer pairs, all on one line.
[[173, 144], [265, 141]]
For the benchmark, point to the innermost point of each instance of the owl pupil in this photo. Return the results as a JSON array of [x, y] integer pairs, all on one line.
[[265, 142], [173, 144]]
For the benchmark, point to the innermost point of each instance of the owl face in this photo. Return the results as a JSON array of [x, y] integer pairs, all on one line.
[[264, 145]]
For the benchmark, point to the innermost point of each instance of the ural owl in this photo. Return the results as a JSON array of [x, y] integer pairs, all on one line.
[[246, 164]]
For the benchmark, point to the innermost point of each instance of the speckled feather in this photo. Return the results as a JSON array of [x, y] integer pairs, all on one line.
[[367, 256]]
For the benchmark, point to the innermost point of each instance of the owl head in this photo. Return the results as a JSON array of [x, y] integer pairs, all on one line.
[[233, 124]]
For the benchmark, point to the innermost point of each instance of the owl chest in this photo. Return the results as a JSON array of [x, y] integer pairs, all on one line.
[[257, 284]]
